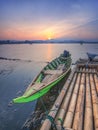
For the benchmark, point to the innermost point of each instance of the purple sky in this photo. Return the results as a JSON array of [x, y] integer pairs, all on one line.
[[46, 19]]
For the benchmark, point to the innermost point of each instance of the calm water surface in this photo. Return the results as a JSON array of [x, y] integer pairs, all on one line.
[[16, 75]]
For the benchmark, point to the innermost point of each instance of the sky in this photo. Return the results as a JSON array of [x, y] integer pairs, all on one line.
[[48, 19]]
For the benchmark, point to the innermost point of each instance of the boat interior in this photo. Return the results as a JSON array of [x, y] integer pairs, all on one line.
[[53, 70], [49, 73]]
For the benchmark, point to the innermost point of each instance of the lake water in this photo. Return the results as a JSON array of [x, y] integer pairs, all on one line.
[[15, 75]]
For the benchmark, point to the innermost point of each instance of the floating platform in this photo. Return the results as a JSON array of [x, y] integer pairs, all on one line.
[[76, 107]]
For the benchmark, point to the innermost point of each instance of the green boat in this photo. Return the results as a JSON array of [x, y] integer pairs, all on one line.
[[50, 75]]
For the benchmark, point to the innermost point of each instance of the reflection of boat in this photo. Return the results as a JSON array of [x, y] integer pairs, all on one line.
[[47, 78]]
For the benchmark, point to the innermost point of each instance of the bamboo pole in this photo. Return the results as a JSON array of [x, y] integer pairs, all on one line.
[[70, 114], [64, 106], [80, 126], [94, 102], [78, 118], [96, 82], [47, 123], [60, 128], [88, 121], [89, 65], [85, 72]]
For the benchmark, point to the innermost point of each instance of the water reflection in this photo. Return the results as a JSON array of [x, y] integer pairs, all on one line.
[[49, 52]]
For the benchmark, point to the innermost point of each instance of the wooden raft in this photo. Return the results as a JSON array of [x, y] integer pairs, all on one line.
[[76, 107]]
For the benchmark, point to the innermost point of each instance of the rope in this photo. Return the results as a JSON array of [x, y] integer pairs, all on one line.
[[46, 111], [48, 116], [52, 121], [62, 128]]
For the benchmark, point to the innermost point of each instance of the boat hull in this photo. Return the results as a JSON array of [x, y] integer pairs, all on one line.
[[38, 94]]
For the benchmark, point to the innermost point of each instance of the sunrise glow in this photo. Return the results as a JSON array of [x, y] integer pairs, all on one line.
[[21, 20]]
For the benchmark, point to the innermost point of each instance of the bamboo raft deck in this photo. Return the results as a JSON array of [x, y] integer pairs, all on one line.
[[76, 107]]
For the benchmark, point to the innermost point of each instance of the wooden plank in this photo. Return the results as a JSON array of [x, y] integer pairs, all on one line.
[[61, 67], [49, 78], [53, 77], [45, 80], [51, 72], [35, 87]]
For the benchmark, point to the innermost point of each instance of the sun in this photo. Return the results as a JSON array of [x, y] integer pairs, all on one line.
[[49, 38], [48, 34]]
